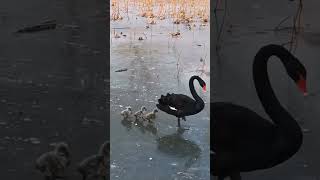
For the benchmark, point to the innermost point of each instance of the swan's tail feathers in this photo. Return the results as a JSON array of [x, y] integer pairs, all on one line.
[[161, 106], [162, 100], [165, 103], [167, 99]]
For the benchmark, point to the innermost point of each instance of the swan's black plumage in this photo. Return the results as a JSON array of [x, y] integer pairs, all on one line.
[[181, 105], [244, 141]]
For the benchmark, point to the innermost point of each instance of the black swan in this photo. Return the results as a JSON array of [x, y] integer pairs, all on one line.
[[244, 141], [181, 105]]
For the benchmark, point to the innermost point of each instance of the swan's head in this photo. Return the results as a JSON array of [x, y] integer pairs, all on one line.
[[204, 87], [298, 74], [201, 82]]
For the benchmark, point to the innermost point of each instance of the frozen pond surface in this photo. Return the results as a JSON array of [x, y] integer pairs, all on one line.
[[158, 151], [52, 83]]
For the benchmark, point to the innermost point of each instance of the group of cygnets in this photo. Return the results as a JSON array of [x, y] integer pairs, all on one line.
[[140, 114], [53, 164]]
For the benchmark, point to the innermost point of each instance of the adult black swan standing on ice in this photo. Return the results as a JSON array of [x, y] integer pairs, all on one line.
[[242, 140], [181, 105]]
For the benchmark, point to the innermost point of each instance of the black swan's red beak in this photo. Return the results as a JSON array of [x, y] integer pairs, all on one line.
[[204, 88], [302, 84]]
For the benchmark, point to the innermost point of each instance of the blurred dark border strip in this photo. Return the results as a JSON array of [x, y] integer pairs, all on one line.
[[107, 82], [213, 60]]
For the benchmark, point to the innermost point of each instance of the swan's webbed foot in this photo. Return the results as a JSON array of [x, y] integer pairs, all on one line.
[[184, 118]]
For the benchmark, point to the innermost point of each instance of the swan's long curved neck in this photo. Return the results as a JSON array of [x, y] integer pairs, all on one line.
[[193, 91], [264, 90], [288, 128]]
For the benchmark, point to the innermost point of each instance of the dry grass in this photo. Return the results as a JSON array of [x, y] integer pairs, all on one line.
[[179, 11]]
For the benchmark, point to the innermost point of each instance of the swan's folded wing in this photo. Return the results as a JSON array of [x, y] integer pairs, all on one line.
[[181, 101], [175, 100], [167, 109]]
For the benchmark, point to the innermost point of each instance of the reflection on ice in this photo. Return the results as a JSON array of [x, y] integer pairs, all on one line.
[[176, 145]]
